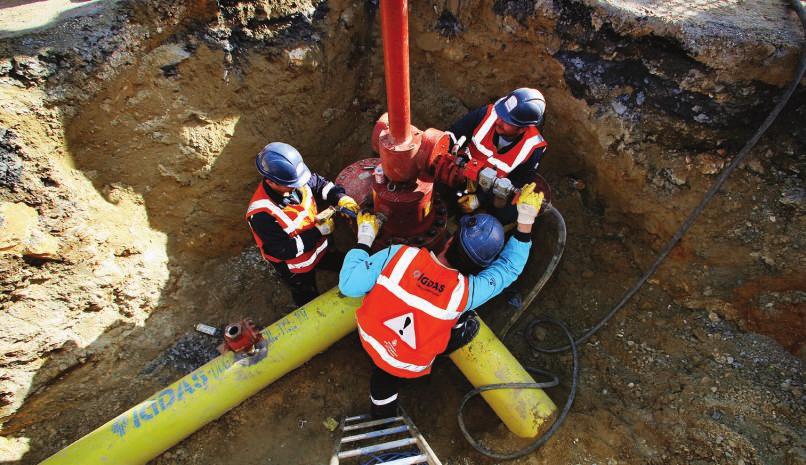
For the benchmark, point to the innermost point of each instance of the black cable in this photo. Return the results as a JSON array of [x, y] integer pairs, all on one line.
[[554, 382], [559, 247], [684, 227], [706, 198], [389, 456]]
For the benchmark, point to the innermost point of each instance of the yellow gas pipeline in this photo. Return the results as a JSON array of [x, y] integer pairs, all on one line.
[[485, 361], [172, 414]]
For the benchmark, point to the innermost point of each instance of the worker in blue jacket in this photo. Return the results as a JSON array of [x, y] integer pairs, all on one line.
[[418, 303]]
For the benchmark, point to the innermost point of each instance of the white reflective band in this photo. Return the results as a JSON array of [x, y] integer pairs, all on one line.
[[327, 189], [311, 259], [485, 128], [392, 283], [456, 296], [388, 400], [305, 177], [418, 302], [307, 197], [526, 150], [403, 264], [289, 227], [300, 245], [381, 351], [452, 136]]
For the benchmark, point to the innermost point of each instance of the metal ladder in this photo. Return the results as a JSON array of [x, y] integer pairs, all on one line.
[[414, 448]]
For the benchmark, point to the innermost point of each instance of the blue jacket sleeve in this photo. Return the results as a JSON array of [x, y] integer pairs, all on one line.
[[500, 274], [360, 270]]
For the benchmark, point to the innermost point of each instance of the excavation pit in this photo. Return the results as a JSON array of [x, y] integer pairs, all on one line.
[[127, 135]]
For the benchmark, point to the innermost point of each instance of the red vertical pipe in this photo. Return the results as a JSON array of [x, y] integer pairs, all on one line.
[[395, 32]]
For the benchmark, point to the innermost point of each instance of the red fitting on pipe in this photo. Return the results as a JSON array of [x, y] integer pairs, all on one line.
[[242, 336], [395, 31]]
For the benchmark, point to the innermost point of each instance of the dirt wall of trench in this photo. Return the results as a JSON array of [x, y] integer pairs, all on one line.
[[127, 162], [130, 140], [646, 109]]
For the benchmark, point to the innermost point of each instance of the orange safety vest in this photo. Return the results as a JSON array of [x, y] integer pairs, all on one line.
[[293, 219], [405, 321], [482, 143]]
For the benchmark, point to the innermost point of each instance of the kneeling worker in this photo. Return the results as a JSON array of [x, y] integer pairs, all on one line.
[[418, 304], [282, 217], [507, 134]]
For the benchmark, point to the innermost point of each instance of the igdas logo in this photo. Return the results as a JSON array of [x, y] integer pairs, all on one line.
[[427, 282]]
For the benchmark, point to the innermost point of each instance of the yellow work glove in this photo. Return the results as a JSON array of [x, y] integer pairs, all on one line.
[[326, 225], [528, 204], [349, 203], [368, 226], [469, 202]]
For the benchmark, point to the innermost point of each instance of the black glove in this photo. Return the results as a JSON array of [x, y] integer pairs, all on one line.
[[463, 332]]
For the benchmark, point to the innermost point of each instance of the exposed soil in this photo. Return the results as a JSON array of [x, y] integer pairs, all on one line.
[[126, 141]]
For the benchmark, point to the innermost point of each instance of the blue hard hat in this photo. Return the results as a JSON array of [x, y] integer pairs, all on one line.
[[282, 164], [523, 107], [481, 237]]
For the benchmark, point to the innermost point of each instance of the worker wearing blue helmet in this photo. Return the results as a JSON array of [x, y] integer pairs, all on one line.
[[506, 134], [418, 303], [282, 215]]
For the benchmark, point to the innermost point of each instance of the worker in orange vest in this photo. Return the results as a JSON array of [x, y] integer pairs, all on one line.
[[506, 134], [282, 217], [418, 304]]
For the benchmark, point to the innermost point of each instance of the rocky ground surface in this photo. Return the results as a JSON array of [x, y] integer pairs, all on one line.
[[126, 137]]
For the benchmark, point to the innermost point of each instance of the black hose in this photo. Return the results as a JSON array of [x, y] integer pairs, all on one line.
[[554, 382], [559, 247], [689, 221], [706, 198]]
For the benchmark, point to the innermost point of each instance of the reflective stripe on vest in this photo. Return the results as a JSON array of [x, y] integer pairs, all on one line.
[[406, 318], [295, 267], [293, 219], [327, 189], [392, 283], [381, 351], [288, 224], [483, 143]]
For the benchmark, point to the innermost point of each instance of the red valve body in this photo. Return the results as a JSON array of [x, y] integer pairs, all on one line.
[[242, 336]]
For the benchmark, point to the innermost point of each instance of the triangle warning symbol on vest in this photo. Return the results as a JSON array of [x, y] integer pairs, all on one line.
[[403, 325]]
